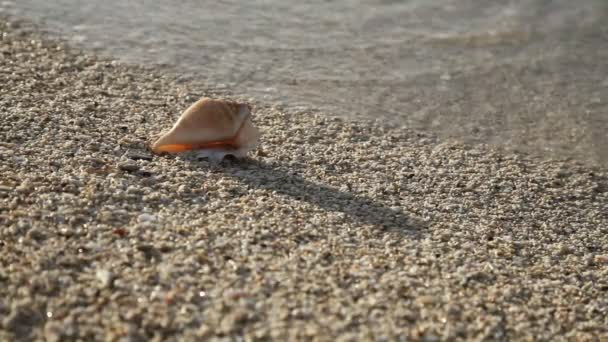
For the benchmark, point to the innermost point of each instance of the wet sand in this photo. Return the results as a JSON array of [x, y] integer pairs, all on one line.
[[331, 230]]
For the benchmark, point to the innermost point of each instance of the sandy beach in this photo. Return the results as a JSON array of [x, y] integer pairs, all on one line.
[[330, 230], [525, 75]]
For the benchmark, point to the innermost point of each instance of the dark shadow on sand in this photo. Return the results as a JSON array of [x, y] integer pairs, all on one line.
[[259, 174]]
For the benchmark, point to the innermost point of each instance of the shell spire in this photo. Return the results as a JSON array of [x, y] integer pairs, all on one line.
[[213, 128]]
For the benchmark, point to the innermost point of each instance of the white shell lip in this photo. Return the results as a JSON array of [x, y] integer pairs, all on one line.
[[218, 154], [214, 128]]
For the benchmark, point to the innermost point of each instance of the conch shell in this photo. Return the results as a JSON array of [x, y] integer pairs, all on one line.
[[213, 128]]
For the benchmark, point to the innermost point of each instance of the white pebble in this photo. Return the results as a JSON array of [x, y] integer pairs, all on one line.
[[147, 218], [105, 277]]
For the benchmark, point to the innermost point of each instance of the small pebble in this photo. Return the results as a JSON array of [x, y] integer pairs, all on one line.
[[136, 155], [105, 278], [145, 217], [128, 166], [601, 259]]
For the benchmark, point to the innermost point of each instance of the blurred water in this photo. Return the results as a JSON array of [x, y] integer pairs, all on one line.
[[525, 74]]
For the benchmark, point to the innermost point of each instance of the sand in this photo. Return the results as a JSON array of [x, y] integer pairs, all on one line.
[[330, 230], [526, 75]]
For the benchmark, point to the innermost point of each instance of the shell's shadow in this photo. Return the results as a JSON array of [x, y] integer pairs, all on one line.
[[259, 174]]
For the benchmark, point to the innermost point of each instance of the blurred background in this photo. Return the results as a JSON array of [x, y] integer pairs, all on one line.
[[527, 75]]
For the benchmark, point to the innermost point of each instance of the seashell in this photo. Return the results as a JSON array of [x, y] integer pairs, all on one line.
[[213, 128]]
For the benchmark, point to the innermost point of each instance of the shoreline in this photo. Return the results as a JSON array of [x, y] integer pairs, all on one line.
[[332, 229], [533, 92]]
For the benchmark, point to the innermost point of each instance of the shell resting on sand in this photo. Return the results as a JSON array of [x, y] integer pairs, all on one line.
[[214, 128]]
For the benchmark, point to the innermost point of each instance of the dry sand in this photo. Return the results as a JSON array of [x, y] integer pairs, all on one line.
[[332, 230]]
